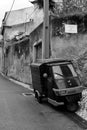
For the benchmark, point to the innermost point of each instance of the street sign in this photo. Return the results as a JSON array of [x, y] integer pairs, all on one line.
[[70, 28]]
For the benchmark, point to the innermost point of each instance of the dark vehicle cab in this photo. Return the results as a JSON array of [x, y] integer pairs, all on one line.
[[57, 81]]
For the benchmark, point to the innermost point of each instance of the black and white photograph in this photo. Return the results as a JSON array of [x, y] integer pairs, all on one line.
[[43, 65]]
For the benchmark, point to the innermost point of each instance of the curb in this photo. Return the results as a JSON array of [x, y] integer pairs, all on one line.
[[17, 82]]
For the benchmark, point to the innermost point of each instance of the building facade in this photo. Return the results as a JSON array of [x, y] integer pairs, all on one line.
[[16, 44], [23, 43]]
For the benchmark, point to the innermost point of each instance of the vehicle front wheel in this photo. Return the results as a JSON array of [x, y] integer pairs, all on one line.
[[72, 107]]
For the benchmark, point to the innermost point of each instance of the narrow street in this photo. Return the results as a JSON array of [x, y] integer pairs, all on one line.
[[19, 112]]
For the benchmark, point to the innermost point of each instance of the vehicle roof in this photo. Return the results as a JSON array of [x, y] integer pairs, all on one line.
[[51, 61]]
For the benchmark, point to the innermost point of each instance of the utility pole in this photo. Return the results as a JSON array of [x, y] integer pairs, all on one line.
[[46, 34]]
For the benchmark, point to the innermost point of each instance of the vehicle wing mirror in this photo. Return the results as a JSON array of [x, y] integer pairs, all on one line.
[[45, 75]]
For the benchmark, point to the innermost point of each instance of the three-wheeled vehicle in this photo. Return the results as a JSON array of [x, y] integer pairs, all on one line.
[[57, 81]]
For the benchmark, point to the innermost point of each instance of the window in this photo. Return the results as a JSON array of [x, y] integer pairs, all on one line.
[[37, 51]]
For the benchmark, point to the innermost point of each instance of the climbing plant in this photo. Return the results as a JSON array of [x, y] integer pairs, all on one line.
[[61, 7], [40, 3]]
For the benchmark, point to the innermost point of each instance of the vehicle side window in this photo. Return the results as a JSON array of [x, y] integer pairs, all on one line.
[[57, 72], [66, 70], [72, 69]]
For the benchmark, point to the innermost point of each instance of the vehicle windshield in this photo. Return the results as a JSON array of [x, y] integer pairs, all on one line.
[[64, 70]]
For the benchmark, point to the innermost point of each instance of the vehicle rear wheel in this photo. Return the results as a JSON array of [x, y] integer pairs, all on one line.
[[35, 94], [72, 107], [39, 98]]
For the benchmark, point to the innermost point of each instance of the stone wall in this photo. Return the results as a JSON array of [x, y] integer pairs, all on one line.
[[71, 46]]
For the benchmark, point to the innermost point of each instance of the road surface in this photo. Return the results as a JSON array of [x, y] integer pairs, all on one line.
[[19, 112]]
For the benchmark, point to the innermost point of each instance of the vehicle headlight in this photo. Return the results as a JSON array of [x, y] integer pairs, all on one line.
[[61, 84]]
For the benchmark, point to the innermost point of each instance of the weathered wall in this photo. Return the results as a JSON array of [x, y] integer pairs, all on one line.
[[17, 61], [24, 21], [71, 46], [63, 45]]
